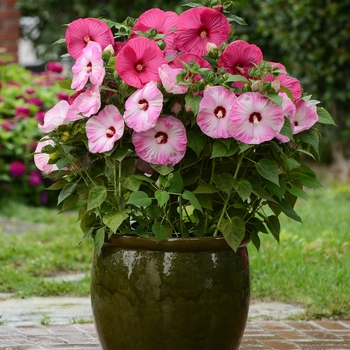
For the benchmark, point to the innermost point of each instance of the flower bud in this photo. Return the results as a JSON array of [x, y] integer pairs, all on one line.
[[219, 8], [212, 50], [53, 156], [65, 136], [107, 52], [276, 85], [176, 108]]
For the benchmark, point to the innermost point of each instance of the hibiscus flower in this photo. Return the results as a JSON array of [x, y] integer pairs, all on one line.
[[41, 160], [143, 107], [138, 62], [83, 30], [255, 118], [55, 117], [104, 129], [163, 22], [198, 26], [288, 108], [214, 111], [305, 116], [168, 77], [164, 144]]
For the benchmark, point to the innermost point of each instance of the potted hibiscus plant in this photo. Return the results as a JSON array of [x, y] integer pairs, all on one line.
[[176, 131]]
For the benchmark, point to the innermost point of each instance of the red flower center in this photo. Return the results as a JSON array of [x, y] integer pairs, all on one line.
[[87, 39], [203, 33], [161, 137], [89, 67], [110, 132], [255, 117], [220, 112], [143, 105], [296, 123], [140, 67]]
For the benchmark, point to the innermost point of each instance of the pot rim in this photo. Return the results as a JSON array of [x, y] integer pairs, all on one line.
[[192, 244]]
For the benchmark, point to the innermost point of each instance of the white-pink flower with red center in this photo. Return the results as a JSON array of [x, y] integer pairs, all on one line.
[[163, 22], [188, 58], [164, 144], [143, 107], [305, 116], [41, 160], [168, 77], [289, 109], [83, 30], [55, 117], [198, 26], [89, 66], [239, 57], [104, 129], [214, 110], [289, 82], [85, 104], [138, 62], [255, 118]]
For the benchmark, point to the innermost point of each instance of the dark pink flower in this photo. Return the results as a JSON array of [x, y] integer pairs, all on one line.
[[83, 30], [62, 96], [163, 22], [30, 91], [54, 67], [118, 45], [22, 112], [17, 168], [138, 62], [39, 116], [7, 124], [36, 101], [35, 178], [198, 26]]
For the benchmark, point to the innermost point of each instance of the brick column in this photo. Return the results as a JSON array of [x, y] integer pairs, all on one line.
[[9, 27]]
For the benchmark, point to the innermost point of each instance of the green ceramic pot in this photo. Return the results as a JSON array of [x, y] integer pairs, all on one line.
[[179, 294]]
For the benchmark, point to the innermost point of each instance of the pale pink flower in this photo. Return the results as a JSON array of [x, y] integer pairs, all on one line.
[[198, 26], [288, 108], [305, 116], [168, 77], [255, 118], [164, 144], [214, 110], [104, 129], [163, 22], [138, 62], [83, 30], [55, 117], [41, 160], [239, 57], [89, 66], [143, 107]]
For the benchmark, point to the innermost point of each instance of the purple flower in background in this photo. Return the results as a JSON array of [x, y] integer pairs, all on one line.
[[7, 124], [22, 112], [17, 168], [39, 116], [30, 91], [36, 101], [62, 96], [35, 178], [44, 198], [54, 67]]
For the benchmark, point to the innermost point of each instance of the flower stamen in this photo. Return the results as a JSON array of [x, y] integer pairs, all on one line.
[[110, 132], [161, 137], [255, 118]]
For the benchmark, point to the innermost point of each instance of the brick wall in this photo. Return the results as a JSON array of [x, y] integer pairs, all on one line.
[[9, 27]]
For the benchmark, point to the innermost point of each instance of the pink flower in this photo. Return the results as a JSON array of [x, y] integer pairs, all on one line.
[[163, 22], [35, 178], [168, 77], [138, 62], [305, 116], [36, 101], [55, 117], [22, 112], [61, 95], [17, 168], [88, 66], [239, 57], [255, 118], [104, 129], [214, 111], [288, 108], [39, 116], [198, 26], [55, 67], [7, 124], [41, 160], [143, 108], [164, 144], [83, 30]]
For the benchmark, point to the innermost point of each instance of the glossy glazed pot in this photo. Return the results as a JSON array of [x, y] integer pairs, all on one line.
[[179, 294]]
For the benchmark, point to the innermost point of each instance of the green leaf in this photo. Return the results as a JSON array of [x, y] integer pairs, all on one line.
[[287, 129], [99, 239], [140, 199], [115, 219], [223, 148], [162, 197], [69, 203], [193, 102], [311, 137], [154, 212], [205, 189], [292, 163], [233, 230], [274, 226], [234, 78], [298, 192], [65, 84], [57, 185], [268, 170], [97, 196], [279, 191], [66, 191], [87, 221], [224, 182], [275, 98], [192, 199], [243, 188], [289, 211], [61, 163], [176, 182], [162, 169], [196, 140], [160, 231], [324, 117]]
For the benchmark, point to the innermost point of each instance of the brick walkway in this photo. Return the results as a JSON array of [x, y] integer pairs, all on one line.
[[272, 335]]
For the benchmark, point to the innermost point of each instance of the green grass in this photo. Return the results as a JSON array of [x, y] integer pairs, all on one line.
[[310, 266]]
